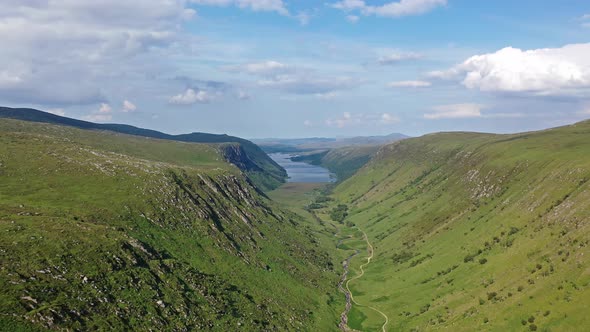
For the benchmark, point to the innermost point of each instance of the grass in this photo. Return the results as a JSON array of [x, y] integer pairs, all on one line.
[[518, 203], [108, 231]]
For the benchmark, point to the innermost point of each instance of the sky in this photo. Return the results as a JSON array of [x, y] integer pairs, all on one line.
[[300, 68]]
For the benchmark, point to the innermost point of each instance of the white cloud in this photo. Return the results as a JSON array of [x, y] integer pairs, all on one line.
[[409, 84], [103, 114], [309, 84], [292, 79], [62, 41], [105, 109], [303, 18], [395, 57], [456, 111], [190, 97], [255, 5], [264, 68], [128, 107], [308, 123], [387, 118], [349, 5], [391, 9], [327, 96], [352, 18], [361, 119], [57, 111], [561, 71], [243, 95]]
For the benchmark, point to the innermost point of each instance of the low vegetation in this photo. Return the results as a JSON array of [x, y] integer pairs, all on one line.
[[475, 229], [104, 231]]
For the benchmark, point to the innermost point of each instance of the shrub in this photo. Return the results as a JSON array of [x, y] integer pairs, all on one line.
[[339, 213], [483, 261], [533, 327], [513, 230], [492, 296], [531, 319]]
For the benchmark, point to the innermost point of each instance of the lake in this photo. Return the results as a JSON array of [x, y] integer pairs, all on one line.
[[300, 171]]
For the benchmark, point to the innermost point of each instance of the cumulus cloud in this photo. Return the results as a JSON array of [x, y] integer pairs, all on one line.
[[294, 79], [561, 71], [50, 45], [409, 84], [190, 96], [348, 119], [105, 109], [255, 5], [103, 114], [456, 111], [391, 9], [128, 107]]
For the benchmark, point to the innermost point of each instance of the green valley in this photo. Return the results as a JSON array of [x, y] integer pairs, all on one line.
[[474, 232], [105, 231], [463, 231]]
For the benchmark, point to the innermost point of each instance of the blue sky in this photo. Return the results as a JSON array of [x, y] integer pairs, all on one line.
[[283, 68]]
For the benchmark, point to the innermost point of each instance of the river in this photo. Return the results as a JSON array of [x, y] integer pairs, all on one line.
[[302, 172]]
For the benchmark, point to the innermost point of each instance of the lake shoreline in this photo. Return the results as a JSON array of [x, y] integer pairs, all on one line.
[[301, 171]]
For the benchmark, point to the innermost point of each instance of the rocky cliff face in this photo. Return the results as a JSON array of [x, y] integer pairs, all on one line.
[[260, 171], [92, 239]]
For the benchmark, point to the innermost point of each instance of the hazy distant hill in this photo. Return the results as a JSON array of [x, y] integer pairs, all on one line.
[[318, 143], [262, 170]]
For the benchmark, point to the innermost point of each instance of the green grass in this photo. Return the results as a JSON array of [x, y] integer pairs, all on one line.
[[103, 231], [470, 232], [522, 200]]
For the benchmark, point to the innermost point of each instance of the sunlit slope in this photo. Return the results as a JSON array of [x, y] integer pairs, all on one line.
[[477, 231], [102, 231], [257, 165]]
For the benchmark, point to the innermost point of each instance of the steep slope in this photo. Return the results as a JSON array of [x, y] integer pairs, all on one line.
[[263, 171], [104, 231], [475, 232]]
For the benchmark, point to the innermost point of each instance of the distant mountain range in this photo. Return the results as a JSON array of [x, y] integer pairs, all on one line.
[[260, 168], [319, 143]]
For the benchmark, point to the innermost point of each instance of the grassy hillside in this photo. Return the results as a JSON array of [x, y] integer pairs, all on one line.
[[262, 170], [474, 232], [104, 231]]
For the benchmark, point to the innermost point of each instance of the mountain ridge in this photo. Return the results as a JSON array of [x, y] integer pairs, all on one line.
[[264, 172]]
